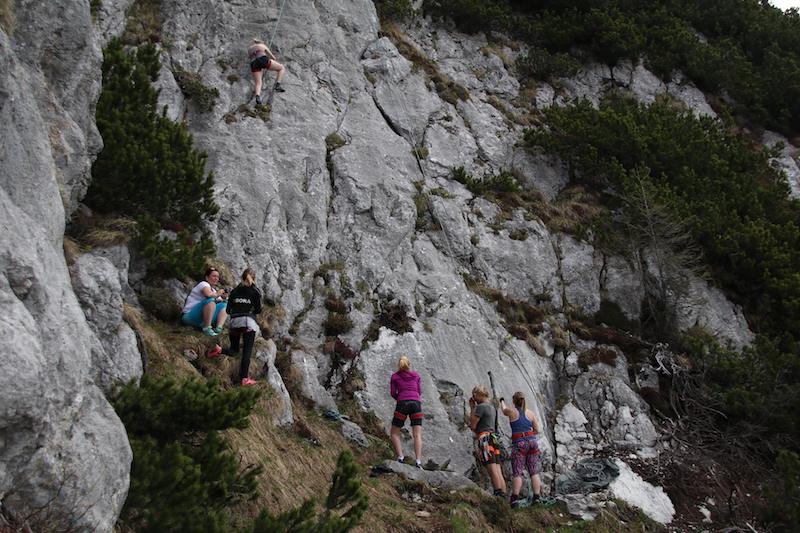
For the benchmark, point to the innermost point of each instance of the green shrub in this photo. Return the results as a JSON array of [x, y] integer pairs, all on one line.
[[394, 10], [344, 507], [737, 210], [784, 498], [542, 64], [334, 141], [194, 89], [504, 181], [184, 475], [149, 169]]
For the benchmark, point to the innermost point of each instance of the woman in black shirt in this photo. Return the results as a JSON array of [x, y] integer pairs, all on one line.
[[244, 304]]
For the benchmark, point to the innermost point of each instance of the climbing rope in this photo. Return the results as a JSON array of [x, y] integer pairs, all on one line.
[[277, 23]]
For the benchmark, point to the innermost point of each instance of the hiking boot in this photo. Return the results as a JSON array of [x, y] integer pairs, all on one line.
[[218, 330], [208, 330], [515, 500], [279, 88], [401, 459], [215, 351], [247, 382], [418, 464], [258, 99]]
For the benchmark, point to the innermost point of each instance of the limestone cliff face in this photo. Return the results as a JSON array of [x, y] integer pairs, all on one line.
[[314, 221], [62, 447], [290, 206]]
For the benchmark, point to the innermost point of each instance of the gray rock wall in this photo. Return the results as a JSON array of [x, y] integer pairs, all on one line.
[[62, 447]]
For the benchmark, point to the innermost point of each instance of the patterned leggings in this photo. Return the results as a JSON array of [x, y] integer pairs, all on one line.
[[525, 456]]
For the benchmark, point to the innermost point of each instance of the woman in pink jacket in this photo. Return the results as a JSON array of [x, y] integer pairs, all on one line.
[[405, 388]]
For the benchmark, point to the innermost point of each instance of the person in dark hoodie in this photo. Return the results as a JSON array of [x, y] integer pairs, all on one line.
[[405, 388], [244, 304]]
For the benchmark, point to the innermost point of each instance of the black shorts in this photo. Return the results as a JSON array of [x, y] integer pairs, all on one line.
[[259, 63], [405, 409]]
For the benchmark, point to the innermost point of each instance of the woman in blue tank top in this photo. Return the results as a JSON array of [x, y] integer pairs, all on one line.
[[524, 446]]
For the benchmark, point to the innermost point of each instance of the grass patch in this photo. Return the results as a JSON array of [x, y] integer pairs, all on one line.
[[334, 141], [259, 111], [337, 324], [598, 354]]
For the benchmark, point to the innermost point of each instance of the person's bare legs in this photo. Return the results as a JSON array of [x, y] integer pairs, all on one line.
[[516, 485], [394, 435], [208, 313], [416, 432], [280, 69], [496, 475], [536, 481], [257, 75], [222, 317]]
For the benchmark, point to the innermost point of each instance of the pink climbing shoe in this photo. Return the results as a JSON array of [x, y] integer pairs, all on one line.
[[247, 382], [215, 351]]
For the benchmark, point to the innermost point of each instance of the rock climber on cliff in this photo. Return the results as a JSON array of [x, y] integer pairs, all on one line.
[[261, 58]]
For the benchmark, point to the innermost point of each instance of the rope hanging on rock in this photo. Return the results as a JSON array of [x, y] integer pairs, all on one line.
[[277, 23]]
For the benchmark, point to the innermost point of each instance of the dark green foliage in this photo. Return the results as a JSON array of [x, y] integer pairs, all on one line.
[[148, 168], [747, 48], [94, 6], [184, 474], [194, 89], [784, 497], [736, 207], [540, 63], [733, 201], [394, 10], [504, 181], [345, 505]]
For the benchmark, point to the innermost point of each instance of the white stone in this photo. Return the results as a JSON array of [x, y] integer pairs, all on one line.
[[632, 489]]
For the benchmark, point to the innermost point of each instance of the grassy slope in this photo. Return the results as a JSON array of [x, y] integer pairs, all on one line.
[[296, 470]]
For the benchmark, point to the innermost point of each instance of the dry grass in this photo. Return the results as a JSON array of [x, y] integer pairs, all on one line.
[[143, 23], [164, 345], [7, 19], [71, 250]]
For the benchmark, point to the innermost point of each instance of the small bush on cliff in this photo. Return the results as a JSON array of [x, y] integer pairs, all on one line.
[[149, 169], [184, 474]]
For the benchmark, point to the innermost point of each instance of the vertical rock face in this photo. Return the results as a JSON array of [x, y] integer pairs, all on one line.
[[370, 215], [62, 447]]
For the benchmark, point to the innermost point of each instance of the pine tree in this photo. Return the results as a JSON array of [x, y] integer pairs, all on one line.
[[184, 474], [149, 169]]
